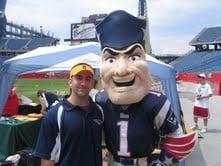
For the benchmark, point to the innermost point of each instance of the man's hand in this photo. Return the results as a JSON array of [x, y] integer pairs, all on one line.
[[198, 97]]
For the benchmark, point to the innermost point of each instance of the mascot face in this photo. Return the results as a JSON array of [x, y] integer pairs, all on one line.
[[125, 75]]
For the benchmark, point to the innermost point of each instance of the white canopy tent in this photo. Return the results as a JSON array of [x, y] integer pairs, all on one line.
[[62, 58]]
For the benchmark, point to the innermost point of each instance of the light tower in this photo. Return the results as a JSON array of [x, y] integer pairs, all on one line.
[[2, 7], [142, 13], [3, 19]]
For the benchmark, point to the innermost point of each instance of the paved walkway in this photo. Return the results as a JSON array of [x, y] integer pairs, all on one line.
[[208, 150]]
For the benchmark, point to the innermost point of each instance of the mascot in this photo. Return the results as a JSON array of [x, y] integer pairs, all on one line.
[[133, 114]]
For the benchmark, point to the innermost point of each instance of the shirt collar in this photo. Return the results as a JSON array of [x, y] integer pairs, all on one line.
[[68, 106]]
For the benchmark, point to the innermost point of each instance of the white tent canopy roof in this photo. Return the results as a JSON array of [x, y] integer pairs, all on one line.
[[94, 61], [62, 58]]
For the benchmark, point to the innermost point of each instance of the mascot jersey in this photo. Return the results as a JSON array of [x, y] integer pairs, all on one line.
[[133, 115], [129, 129]]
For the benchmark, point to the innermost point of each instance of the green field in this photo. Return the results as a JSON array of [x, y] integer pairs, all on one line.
[[29, 87]]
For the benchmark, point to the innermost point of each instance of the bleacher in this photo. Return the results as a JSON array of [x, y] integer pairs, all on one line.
[[39, 42], [207, 36], [24, 44], [2, 43], [212, 61], [197, 59], [16, 44], [207, 54], [16, 38]]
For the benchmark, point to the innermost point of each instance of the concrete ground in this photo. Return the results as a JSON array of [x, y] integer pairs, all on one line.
[[208, 149]]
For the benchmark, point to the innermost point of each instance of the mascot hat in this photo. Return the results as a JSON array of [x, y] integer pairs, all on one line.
[[120, 30]]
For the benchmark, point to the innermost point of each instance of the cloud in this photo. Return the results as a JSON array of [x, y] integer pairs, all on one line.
[[171, 44], [57, 16], [169, 11], [173, 23]]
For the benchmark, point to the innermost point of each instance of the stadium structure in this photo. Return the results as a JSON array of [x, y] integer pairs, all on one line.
[[206, 57], [84, 31], [143, 13], [16, 39]]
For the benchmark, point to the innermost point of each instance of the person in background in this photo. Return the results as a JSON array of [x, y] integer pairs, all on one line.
[[71, 130], [201, 105], [46, 100], [15, 105], [13, 102]]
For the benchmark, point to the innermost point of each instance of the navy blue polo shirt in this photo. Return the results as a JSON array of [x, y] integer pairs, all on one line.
[[78, 141], [130, 130]]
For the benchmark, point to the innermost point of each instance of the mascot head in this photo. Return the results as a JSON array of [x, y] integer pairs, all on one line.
[[124, 71]]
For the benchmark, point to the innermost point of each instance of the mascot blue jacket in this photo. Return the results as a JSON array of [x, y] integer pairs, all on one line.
[[135, 116]]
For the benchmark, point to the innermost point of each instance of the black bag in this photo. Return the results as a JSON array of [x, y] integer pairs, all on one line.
[[28, 158], [28, 109], [6, 163]]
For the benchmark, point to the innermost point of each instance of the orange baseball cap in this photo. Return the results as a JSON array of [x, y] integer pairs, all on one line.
[[81, 67]]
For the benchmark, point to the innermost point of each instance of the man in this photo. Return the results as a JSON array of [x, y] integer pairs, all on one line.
[[71, 131], [133, 115], [201, 106]]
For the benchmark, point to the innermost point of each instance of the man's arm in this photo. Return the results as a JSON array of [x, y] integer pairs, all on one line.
[[47, 139], [204, 97], [45, 162], [175, 145]]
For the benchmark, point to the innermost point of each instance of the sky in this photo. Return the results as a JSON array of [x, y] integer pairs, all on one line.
[[172, 23]]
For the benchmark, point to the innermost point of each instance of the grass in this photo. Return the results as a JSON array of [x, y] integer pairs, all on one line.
[[29, 87]]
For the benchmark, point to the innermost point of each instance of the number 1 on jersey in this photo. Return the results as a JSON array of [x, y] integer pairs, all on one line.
[[123, 139]]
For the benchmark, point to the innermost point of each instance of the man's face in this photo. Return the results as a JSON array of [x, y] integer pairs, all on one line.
[[125, 75], [202, 80], [81, 84]]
